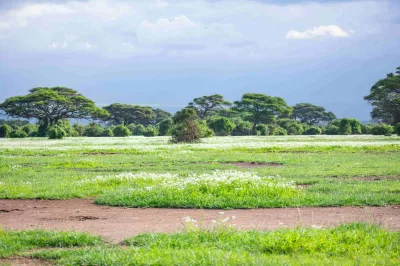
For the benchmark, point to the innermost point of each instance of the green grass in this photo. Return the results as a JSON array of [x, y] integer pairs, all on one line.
[[13, 242], [351, 244], [57, 169]]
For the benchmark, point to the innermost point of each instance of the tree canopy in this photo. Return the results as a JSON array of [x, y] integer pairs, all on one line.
[[161, 115], [385, 98], [130, 114], [311, 114], [263, 108], [49, 105], [206, 106]]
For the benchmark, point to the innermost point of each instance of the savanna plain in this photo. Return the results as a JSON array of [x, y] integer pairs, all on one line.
[[219, 173]]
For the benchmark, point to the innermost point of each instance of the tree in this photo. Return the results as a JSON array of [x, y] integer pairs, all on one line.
[[385, 99], [311, 114], [187, 128], [160, 115], [207, 106], [222, 126], [263, 108], [49, 105], [130, 114]]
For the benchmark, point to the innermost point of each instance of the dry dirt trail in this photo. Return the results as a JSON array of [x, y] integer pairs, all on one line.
[[117, 224]]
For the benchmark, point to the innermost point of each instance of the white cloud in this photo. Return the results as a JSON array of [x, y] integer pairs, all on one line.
[[58, 45], [330, 30]]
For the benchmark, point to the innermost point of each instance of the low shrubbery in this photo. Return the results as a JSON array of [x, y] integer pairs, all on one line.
[[56, 132], [382, 129]]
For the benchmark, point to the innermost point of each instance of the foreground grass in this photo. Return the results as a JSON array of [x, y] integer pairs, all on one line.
[[351, 244], [321, 171]]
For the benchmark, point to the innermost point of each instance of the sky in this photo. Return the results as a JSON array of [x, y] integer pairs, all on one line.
[[164, 53]]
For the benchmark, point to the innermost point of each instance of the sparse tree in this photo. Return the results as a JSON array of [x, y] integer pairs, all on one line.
[[207, 106], [130, 114], [311, 114]]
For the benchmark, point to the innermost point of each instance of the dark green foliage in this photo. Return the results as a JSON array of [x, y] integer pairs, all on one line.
[[161, 115], [93, 130], [349, 126], [311, 114], [31, 129], [107, 132], [222, 126], [205, 131], [385, 99], [291, 126], [382, 129], [137, 130], [397, 129], [244, 128], [5, 131], [80, 128], [313, 130], [263, 108], [130, 114], [332, 130], [14, 123], [121, 131], [150, 131], [165, 127], [186, 126], [56, 132], [262, 130], [18, 134], [207, 106]]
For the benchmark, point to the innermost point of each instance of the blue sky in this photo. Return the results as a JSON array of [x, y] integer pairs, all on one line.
[[166, 52]]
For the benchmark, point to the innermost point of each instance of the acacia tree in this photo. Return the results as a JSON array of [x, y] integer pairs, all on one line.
[[311, 114], [49, 105], [130, 114], [208, 105], [160, 115], [263, 108], [385, 99]]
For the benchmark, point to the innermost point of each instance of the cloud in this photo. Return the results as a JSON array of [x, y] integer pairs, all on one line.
[[330, 30], [58, 45]]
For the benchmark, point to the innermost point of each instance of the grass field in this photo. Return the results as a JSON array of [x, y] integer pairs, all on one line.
[[224, 172]]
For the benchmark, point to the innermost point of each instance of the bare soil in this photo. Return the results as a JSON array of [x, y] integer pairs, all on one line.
[[376, 178], [19, 261], [117, 224]]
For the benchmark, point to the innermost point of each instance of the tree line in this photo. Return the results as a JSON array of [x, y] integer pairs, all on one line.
[[253, 114]]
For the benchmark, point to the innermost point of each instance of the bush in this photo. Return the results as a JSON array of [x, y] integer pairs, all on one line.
[[93, 130], [107, 132], [279, 131], [137, 130], [5, 131], [165, 127], [31, 130], [294, 129], [382, 129], [262, 130], [188, 131], [244, 128], [332, 130], [397, 129], [56, 132], [150, 132], [222, 126], [349, 126], [80, 128], [366, 129], [65, 125], [18, 134], [121, 131], [205, 131], [313, 130]]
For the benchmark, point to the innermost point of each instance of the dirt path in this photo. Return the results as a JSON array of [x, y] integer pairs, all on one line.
[[117, 224]]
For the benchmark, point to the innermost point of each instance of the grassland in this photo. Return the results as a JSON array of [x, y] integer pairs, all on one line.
[[150, 172]]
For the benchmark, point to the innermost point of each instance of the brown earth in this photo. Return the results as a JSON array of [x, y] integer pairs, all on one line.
[[21, 261], [117, 224]]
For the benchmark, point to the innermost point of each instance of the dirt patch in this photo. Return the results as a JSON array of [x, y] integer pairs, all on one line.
[[10, 210], [255, 164], [24, 261], [376, 178], [117, 224]]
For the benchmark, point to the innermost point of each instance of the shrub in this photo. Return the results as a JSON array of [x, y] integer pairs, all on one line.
[[313, 130], [150, 132], [205, 131], [80, 128], [279, 131], [56, 132], [332, 130], [93, 130], [222, 126], [107, 132], [31, 130], [18, 134], [137, 130], [165, 127], [5, 131], [262, 130], [397, 129], [382, 129], [121, 131], [366, 129], [295, 129], [187, 126], [244, 128], [65, 124], [349, 126]]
